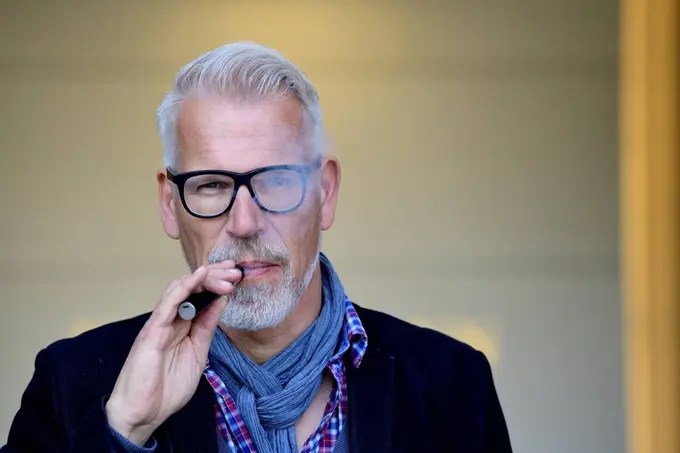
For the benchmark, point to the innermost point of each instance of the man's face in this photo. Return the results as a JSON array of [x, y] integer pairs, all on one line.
[[279, 251]]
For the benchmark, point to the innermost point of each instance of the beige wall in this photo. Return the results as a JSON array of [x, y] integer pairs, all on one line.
[[478, 143]]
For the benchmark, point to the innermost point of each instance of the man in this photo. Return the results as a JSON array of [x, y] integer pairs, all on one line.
[[284, 362]]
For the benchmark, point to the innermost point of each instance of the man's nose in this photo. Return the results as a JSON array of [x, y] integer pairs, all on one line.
[[244, 219]]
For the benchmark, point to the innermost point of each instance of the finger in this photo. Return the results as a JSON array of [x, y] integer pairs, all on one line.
[[203, 327], [228, 264], [222, 266], [230, 275], [173, 284], [166, 311], [217, 286]]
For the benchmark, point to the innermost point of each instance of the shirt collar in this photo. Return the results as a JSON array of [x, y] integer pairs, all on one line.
[[353, 339]]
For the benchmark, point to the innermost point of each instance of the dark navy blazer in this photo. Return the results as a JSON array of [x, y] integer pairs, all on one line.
[[416, 390]]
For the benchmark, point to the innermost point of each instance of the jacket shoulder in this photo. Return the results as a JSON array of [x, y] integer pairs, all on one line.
[[106, 338], [452, 381], [96, 355], [390, 331], [434, 354]]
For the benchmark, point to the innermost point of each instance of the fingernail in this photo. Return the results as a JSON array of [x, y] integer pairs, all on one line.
[[198, 270], [225, 284]]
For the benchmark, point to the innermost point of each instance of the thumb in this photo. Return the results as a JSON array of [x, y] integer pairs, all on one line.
[[203, 327]]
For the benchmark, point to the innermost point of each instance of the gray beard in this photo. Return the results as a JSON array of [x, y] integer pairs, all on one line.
[[258, 306]]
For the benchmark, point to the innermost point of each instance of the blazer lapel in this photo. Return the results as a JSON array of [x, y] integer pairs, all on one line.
[[370, 389], [193, 429]]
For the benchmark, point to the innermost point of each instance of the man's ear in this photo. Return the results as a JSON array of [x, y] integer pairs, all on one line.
[[330, 186], [166, 200]]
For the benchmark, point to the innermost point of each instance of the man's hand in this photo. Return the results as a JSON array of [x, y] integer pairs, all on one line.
[[167, 359]]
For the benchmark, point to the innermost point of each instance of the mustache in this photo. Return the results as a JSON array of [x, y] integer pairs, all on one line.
[[239, 249]]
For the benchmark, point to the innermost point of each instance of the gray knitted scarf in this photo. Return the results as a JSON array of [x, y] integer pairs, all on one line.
[[271, 397]]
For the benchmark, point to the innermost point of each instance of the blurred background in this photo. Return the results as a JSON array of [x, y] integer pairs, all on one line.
[[481, 156]]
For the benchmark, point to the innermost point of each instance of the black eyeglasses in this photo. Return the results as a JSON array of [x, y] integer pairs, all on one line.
[[276, 189]]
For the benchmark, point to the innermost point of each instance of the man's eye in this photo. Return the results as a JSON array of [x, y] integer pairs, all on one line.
[[278, 182], [213, 185]]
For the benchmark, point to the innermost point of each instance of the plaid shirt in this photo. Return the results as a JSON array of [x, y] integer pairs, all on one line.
[[233, 429]]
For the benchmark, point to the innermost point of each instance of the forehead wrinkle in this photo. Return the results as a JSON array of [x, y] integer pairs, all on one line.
[[274, 131], [235, 153]]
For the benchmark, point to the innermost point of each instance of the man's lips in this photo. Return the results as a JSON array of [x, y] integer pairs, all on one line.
[[257, 268]]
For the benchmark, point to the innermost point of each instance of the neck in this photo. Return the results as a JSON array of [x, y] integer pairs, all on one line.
[[264, 344]]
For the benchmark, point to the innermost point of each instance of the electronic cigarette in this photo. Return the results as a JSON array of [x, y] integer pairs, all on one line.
[[196, 303]]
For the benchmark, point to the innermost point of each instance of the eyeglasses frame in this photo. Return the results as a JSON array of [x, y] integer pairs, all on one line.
[[243, 179]]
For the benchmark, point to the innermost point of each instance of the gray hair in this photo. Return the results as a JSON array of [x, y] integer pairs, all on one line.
[[240, 71]]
